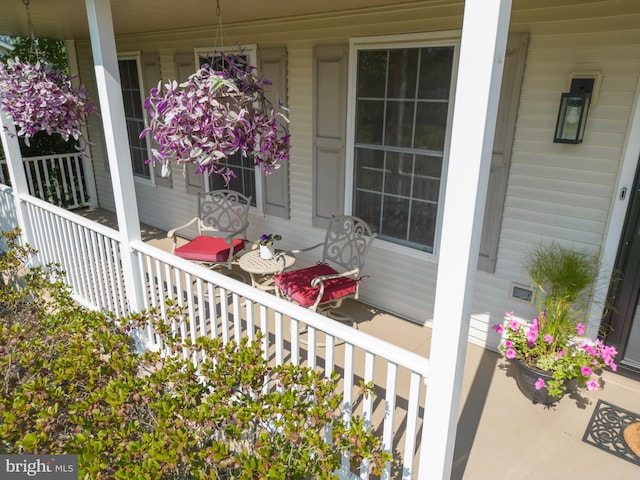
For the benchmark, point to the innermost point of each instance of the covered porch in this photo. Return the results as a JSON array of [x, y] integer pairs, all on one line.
[[478, 425]]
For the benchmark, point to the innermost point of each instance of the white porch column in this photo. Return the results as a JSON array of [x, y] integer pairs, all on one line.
[[17, 174], [116, 138], [484, 38]]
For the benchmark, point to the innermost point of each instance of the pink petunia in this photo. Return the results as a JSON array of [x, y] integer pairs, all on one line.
[[548, 338], [508, 343], [560, 354], [510, 353], [498, 328], [586, 371], [532, 336], [580, 329], [514, 325], [593, 385], [539, 384]]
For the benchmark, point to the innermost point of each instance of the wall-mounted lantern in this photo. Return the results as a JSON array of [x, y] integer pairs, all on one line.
[[574, 106]]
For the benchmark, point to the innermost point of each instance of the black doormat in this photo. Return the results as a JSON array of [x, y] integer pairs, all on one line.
[[606, 428]]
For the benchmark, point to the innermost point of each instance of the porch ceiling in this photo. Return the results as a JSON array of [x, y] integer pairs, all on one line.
[[67, 19]]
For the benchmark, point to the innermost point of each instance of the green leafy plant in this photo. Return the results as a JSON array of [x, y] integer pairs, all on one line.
[[553, 342], [72, 383]]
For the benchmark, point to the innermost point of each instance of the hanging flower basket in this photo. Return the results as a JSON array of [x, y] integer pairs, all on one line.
[[39, 97], [215, 114]]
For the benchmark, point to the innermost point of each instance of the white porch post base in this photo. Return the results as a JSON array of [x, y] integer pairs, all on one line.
[[484, 37]]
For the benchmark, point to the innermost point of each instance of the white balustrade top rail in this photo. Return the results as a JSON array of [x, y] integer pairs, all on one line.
[[220, 306]]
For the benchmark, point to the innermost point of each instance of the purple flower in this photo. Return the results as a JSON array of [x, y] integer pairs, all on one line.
[[539, 384], [548, 338], [510, 353], [514, 324], [39, 98], [532, 336], [560, 354], [586, 371], [593, 385], [580, 329], [508, 343], [498, 328]]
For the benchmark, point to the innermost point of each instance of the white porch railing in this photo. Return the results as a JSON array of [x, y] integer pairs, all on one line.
[[59, 179], [219, 306]]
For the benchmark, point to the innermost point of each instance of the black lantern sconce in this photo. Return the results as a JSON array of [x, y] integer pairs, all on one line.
[[574, 106]]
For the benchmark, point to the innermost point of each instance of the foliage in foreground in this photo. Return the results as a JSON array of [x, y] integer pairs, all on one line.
[[72, 383]]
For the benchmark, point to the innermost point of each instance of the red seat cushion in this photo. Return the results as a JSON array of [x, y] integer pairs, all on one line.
[[296, 284], [208, 249]]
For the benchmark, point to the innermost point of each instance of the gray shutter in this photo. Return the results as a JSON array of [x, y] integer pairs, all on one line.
[[329, 131], [502, 145], [273, 67], [185, 66], [150, 65]]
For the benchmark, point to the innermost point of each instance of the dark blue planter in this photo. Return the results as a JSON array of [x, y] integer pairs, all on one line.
[[526, 379]]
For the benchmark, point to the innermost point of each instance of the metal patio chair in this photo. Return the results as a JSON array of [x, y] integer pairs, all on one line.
[[222, 225], [324, 286]]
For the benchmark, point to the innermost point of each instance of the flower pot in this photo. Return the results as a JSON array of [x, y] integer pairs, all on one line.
[[526, 379], [267, 252]]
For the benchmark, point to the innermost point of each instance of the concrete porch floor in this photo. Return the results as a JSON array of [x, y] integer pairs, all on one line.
[[501, 435]]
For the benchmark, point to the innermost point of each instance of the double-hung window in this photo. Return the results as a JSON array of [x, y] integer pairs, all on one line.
[[132, 96], [247, 180], [400, 108]]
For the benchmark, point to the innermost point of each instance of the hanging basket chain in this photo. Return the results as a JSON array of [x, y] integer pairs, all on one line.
[[219, 30], [33, 45]]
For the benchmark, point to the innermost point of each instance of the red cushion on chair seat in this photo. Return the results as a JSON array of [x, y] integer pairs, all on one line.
[[208, 249], [296, 284]]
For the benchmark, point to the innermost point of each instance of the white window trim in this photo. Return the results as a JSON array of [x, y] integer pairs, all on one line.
[[445, 38], [150, 181], [251, 50]]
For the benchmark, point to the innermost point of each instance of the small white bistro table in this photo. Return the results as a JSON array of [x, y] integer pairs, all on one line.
[[262, 270]]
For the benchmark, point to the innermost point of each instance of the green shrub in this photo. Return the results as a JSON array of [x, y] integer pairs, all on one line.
[[72, 383]]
